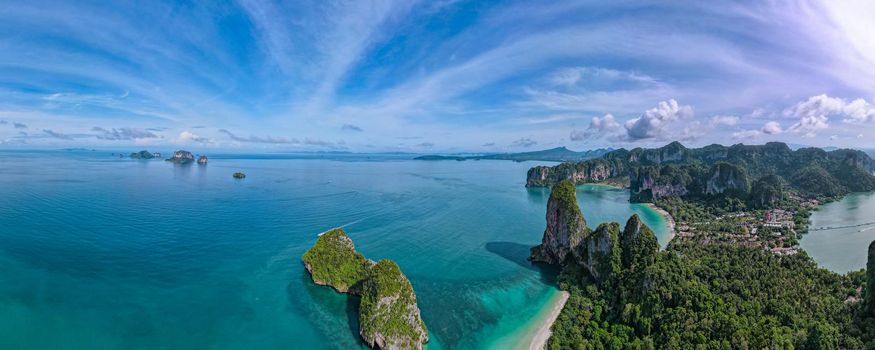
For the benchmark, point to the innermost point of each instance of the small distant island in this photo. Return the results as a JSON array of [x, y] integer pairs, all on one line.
[[144, 154], [558, 154], [181, 157], [239, 175], [389, 317]]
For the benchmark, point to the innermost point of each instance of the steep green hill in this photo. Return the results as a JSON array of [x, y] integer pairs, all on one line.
[[719, 171]]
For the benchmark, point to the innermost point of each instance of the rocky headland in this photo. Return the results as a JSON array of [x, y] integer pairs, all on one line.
[[389, 317], [601, 252]]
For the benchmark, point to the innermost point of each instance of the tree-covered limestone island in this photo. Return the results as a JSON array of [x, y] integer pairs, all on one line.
[[181, 157], [144, 154], [389, 317], [627, 294]]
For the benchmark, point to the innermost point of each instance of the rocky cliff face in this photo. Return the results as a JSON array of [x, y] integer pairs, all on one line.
[[566, 226], [602, 253], [589, 171], [726, 177], [671, 153], [854, 158], [766, 191], [651, 183], [389, 317]]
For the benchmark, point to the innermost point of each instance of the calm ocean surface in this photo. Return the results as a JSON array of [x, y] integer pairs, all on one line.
[[98, 252], [842, 249]]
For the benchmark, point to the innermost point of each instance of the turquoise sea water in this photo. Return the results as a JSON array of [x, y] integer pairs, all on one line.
[[842, 249], [98, 252]]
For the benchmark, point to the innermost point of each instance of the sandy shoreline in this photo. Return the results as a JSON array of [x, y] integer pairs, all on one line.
[[668, 217], [539, 341]]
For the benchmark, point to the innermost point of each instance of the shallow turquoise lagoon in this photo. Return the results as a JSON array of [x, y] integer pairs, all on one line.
[[844, 248], [98, 252]]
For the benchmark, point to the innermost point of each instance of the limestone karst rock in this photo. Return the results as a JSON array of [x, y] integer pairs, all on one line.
[[638, 244], [181, 157], [566, 226], [388, 314], [389, 317]]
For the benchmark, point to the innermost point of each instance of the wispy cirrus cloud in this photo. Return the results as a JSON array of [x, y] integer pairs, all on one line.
[[524, 142], [350, 127], [258, 139], [122, 134], [57, 135], [450, 70]]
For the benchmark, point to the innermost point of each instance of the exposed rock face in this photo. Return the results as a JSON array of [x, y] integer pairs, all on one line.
[[202, 160], [638, 244], [870, 280], [389, 317], [388, 313], [181, 157], [603, 254], [726, 177], [589, 171], [650, 183], [672, 152], [854, 158], [566, 227], [142, 155], [766, 191]]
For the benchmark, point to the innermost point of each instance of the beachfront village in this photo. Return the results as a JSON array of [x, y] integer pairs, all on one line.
[[777, 229]]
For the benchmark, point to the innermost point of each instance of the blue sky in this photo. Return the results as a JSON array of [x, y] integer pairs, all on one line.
[[435, 76]]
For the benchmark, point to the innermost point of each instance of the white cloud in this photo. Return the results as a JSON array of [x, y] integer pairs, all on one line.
[[186, 136], [814, 114], [654, 122], [726, 120], [598, 127], [772, 128]]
